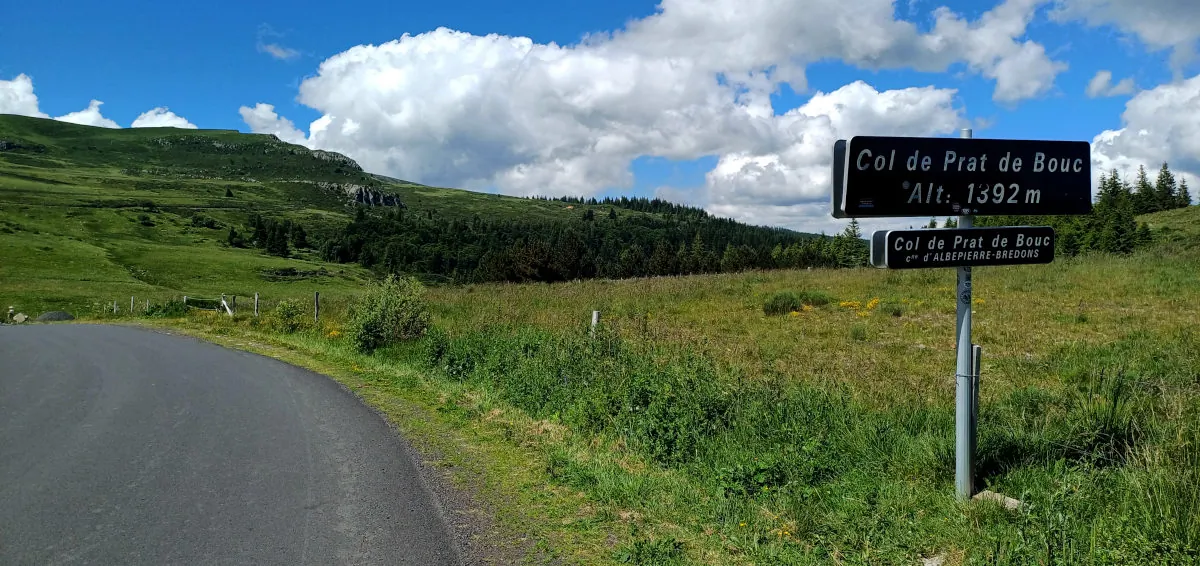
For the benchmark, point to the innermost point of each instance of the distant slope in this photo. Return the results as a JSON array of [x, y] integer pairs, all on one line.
[[89, 212], [1179, 228]]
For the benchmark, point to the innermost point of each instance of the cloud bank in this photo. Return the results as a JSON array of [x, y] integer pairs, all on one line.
[[17, 97]]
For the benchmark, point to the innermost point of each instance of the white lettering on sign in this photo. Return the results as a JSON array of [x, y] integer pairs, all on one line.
[[1023, 240], [1009, 162], [964, 163], [926, 195], [880, 163], [916, 160], [1056, 164]]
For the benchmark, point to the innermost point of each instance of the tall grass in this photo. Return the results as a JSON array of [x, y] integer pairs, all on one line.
[[839, 478], [827, 436]]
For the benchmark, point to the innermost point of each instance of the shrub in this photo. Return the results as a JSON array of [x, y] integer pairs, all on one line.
[[814, 298], [781, 303], [389, 312], [289, 316], [170, 309], [786, 301]]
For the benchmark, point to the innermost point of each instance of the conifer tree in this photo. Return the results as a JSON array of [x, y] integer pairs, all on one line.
[[1166, 194], [1143, 200], [1185, 197]]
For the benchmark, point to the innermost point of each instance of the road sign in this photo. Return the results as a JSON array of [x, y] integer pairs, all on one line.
[[839, 177], [923, 177], [962, 247]]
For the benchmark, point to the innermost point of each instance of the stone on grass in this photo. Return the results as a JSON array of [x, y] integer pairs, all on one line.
[[1003, 500], [55, 316]]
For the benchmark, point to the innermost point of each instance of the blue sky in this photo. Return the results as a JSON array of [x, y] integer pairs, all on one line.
[[205, 61]]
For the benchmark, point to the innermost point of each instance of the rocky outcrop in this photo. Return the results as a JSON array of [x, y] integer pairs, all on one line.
[[362, 194], [337, 158], [14, 145]]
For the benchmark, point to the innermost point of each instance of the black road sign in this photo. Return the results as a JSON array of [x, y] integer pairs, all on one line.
[[897, 176], [839, 177], [962, 247]]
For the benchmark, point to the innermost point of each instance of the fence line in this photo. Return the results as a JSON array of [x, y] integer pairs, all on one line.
[[322, 307]]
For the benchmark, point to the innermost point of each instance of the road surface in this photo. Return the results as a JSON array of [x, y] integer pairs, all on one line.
[[127, 446]]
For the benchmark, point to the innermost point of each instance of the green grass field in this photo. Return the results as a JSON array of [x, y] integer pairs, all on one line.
[[697, 429], [91, 215], [693, 428]]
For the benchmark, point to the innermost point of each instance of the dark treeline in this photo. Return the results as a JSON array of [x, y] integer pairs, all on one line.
[[275, 237], [596, 243], [635, 237], [639, 204], [1112, 226]]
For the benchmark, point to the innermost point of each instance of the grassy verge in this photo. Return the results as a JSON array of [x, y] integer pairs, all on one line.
[[801, 417], [638, 446], [500, 456]]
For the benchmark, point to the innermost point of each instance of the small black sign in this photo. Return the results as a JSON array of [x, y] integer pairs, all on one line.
[[839, 177], [962, 247], [921, 177]]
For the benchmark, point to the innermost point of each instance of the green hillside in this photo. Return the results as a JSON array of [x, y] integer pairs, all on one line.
[[89, 213]]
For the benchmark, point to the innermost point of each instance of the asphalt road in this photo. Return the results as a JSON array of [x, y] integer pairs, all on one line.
[[126, 446]]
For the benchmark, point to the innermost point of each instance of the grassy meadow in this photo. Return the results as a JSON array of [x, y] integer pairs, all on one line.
[[695, 428]]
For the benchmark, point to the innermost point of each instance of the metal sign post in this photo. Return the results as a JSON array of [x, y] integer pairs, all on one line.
[[964, 393], [879, 177]]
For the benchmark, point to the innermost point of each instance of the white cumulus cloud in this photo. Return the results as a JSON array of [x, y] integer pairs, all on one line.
[[791, 185], [17, 97], [262, 119], [89, 116], [1101, 85], [1159, 24], [1159, 124], [694, 79], [161, 117]]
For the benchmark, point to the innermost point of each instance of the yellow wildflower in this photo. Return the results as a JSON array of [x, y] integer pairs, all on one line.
[[807, 308], [334, 334], [793, 313], [864, 314], [873, 303], [979, 301]]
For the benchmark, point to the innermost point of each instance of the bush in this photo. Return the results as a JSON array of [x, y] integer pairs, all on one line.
[[289, 316], [388, 313], [786, 301], [814, 298], [781, 303], [170, 309]]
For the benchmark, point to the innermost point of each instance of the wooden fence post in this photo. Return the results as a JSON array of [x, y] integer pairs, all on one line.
[[185, 300], [317, 307], [147, 305], [114, 307], [131, 305], [595, 321], [256, 304], [233, 305]]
